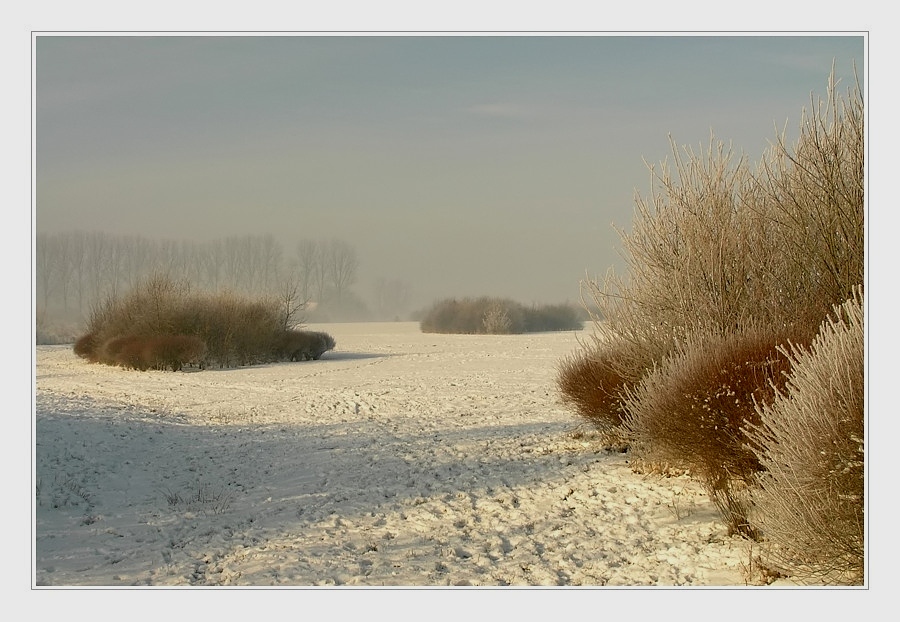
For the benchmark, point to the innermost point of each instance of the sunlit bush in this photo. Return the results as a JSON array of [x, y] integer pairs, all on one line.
[[718, 246], [810, 442], [692, 410], [591, 383], [717, 250]]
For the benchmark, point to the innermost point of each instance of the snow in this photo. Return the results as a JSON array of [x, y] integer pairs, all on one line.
[[398, 459]]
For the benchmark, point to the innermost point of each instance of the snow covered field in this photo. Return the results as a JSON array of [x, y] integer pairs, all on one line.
[[399, 458]]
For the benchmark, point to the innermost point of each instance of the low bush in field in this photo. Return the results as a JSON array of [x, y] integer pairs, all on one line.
[[692, 410], [161, 323], [497, 316], [87, 347], [810, 443], [122, 350], [174, 351], [153, 351], [302, 345]]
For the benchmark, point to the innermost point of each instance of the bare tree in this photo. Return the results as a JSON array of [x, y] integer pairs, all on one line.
[[391, 297], [343, 264], [213, 260], [46, 265], [77, 249], [193, 262], [139, 255], [270, 258], [97, 255], [232, 262], [292, 300], [310, 267]]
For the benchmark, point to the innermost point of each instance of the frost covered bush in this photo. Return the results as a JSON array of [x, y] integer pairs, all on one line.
[[721, 246], [691, 412], [810, 442], [717, 247], [496, 320], [487, 315], [717, 250]]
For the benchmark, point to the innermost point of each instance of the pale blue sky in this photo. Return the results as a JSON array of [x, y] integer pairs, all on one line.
[[464, 165]]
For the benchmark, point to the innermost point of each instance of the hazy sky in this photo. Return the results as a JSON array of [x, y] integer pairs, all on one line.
[[464, 165]]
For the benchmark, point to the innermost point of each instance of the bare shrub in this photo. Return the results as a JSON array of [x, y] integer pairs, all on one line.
[[690, 257], [323, 343], [813, 195], [590, 382], [243, 331], [496, 320], [692, 410], [470, 316], [718, 247], [234, 330], [716, 251], [442, 317], [810, 441], [152, 307]]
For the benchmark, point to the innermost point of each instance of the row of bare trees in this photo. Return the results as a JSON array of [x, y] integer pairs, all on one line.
[[75, 270]]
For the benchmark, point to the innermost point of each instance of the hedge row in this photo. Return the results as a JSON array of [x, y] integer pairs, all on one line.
[[498, 316]]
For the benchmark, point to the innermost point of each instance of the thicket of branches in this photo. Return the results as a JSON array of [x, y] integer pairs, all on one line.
[[497, 316], [810, 443], [727, 266], [163, 323], [690, 412]]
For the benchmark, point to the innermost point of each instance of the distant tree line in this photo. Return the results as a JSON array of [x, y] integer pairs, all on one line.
[[76, 270], [497, 316]]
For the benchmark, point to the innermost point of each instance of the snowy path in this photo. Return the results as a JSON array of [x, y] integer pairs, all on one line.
[[398, 459]]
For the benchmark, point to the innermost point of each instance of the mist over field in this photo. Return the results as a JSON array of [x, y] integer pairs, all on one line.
[[458, 166]]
